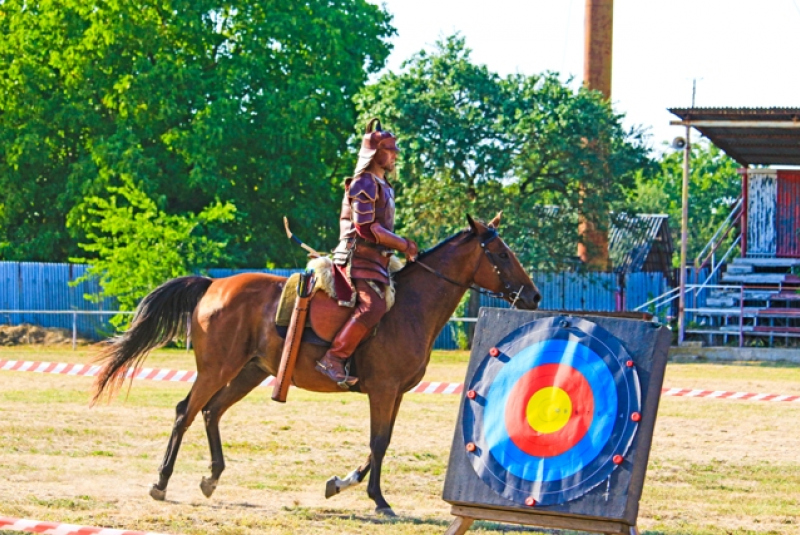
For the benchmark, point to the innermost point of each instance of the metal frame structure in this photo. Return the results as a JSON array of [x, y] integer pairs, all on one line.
[[751, 136]]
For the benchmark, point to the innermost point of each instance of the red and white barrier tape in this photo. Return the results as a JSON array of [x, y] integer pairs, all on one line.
[[425, 387], [55, 528], [684, 392]]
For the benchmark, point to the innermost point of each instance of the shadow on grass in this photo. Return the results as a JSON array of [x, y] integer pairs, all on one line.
[[740, 363], [416, 521]]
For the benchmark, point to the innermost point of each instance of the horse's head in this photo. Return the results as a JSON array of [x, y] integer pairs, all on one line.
[[499, 270]]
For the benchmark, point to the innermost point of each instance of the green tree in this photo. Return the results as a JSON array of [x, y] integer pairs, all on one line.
[[714, 186], [248, 101], [447, 112], [474, 142], [134, 246], [574, 156]]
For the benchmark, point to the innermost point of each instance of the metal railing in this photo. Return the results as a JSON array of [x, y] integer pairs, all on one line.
[[718, 238], [746, 317], [74, 314]]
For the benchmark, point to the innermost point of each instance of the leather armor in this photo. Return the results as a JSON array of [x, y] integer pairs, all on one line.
[[366, 239]]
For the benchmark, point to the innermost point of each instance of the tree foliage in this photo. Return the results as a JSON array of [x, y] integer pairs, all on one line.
[[475, 142], [250, 102], [134, 246], [714, 186]]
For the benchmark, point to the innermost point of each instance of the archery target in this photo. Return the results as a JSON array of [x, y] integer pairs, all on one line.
[[553, 414]]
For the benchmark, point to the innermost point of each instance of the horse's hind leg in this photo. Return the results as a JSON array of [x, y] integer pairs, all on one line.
[[250, 377], [159, 490], [202, 390]]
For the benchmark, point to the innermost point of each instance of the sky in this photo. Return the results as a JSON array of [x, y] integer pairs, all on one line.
[[742, 53]]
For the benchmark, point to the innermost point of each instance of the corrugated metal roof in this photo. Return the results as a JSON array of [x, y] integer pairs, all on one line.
[[750, 141], [631, 239], [636, 242]]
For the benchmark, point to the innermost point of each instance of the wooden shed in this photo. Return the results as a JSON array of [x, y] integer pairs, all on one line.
[[760, 136], [758, 295], [771, 213]]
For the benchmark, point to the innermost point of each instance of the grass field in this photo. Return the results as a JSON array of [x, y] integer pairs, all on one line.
[[717, 466]]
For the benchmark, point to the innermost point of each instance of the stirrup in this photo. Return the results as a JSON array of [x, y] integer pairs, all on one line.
[[344, 384]]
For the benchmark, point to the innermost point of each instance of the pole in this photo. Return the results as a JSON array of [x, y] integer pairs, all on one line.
[[598, 40], [684, 237], [597, 58], [74, 330]]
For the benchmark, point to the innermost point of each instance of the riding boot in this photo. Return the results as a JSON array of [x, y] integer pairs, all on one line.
[[345, 343]]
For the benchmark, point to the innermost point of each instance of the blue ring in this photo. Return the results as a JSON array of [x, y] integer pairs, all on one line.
[[592, 367], [516, 475]]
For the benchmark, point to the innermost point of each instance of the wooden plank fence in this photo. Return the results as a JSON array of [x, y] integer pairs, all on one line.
[[43, 287]]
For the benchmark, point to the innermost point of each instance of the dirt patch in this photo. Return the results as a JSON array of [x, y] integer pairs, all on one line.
[[27, 334]]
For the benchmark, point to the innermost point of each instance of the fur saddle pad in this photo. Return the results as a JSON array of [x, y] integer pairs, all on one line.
[[325, 315]]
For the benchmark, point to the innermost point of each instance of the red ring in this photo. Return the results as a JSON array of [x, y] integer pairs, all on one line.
[[577, 388], [636, 416], [471, 394], [617, 459], [494, 352], [530, 502]]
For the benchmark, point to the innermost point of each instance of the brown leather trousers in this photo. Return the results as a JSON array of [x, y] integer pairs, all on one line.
[[368, 312], [370, 306]]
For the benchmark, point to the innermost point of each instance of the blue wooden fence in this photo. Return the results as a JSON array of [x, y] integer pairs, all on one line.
[[46, 287]]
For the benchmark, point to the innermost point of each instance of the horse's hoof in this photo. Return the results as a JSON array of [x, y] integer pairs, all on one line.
[[330, 487], [157, 494], [208, 486], [385, 511]]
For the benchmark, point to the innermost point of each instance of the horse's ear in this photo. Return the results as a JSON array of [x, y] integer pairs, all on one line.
[[495, 223], [472, 224], [477, 227]]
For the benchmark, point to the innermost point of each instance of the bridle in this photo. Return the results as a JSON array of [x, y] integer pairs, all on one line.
[[511, 296]]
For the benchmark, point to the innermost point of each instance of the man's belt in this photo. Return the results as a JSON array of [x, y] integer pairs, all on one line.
[[385, 251]]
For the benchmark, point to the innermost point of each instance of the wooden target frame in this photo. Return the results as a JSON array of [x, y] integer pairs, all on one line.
[[556, 421]]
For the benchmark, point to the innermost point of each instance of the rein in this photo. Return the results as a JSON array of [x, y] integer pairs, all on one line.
[[474, 287]]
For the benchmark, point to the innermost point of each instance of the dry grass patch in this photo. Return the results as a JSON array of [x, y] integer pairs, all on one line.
[[717, 467]]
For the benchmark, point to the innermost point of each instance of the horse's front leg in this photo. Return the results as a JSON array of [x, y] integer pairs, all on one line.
[[335, 485], [383, 408]]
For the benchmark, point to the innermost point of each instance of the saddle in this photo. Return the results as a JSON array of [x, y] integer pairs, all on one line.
[[326, 313]]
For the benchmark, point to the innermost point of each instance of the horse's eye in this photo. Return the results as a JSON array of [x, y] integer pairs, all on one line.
[[504, 255]]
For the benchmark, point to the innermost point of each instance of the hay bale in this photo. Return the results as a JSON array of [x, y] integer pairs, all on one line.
[[27, 334]]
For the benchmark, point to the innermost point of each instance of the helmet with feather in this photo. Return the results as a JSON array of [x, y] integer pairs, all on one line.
[[375, 139]]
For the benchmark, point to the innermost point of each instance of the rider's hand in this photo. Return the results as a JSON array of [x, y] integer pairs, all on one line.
[[412, 250]]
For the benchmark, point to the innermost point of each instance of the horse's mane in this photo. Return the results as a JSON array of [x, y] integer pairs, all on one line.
[[427, 252]]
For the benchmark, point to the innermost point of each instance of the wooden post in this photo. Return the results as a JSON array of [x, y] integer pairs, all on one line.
[[598, 39], [459, 526], [684, 237]]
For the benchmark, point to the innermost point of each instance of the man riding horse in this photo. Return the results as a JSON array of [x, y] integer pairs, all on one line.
[[366, 243]]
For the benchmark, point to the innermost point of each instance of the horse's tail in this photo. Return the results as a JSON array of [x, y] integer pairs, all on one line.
[[163, 314]]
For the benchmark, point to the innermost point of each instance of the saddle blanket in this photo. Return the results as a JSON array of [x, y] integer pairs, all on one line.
[[325, 316]]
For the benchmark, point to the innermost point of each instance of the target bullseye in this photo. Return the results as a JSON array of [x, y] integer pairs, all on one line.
[[548, 439], [549, 410]]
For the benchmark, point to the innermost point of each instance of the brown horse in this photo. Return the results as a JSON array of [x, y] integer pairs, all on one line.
[[236, 344]]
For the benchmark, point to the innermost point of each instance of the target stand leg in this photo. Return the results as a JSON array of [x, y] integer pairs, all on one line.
[[460, 525]]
